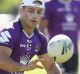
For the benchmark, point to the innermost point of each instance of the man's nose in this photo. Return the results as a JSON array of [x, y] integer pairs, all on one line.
[[35, 15]]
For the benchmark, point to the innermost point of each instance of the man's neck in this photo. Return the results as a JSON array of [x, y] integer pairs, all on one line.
[[27, 29]]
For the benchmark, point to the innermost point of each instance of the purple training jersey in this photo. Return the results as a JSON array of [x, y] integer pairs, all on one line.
[[23, 47], [63, 19]]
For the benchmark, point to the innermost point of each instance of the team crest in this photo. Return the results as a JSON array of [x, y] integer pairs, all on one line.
[[37, 48]]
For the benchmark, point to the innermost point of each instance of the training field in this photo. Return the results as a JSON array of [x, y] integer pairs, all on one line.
[[42, 71]]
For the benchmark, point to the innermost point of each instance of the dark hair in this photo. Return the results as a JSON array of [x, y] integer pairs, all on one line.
[[37, 2], [23, 7]]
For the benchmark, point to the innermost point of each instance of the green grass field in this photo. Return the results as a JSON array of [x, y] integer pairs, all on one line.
[[42, 71]]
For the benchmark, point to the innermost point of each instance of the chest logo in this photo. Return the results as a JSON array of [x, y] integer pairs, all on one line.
[[37, 48]]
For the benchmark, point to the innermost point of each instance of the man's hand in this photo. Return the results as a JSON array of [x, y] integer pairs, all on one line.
[[33, 64], [50, 66]]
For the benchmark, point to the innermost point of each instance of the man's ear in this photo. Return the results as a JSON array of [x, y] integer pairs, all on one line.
[[20, 10]]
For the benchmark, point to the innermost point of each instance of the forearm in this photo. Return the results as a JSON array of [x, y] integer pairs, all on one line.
[[54, 70], [7, 64]]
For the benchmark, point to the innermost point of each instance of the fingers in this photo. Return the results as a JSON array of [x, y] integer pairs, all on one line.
[[38, 66], [33, 64], [38, 60]]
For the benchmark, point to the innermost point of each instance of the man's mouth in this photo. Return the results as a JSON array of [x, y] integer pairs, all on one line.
[[33, 22]]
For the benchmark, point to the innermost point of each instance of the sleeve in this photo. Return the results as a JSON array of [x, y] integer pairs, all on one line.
[[43, 49], [6, 39]]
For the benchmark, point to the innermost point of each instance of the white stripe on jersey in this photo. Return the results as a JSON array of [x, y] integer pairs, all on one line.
[[5, 37], [1, 40]]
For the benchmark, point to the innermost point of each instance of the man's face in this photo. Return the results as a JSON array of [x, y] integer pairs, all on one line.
[[31, 16]]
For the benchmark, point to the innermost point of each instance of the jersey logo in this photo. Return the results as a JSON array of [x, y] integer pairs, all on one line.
[[4, 37], [37, 48]]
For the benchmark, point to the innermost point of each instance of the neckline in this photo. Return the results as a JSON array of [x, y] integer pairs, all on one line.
[[28, 35]]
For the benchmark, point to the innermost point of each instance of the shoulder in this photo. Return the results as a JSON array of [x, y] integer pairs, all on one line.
[[40, 35], [11, 31], [10, 27]]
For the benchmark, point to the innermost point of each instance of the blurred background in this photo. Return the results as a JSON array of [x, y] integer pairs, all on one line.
[[9, 6], [8, 11]]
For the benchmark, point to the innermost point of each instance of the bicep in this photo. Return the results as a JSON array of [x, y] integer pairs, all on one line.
[[5, 51]]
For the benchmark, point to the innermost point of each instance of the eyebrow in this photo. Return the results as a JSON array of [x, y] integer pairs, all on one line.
[[33, 9], [30, 8]]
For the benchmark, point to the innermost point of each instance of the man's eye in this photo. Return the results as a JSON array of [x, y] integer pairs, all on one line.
[[31, 11], [39, 13]]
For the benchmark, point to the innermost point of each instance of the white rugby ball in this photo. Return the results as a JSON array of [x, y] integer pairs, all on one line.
[[60, 48]]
